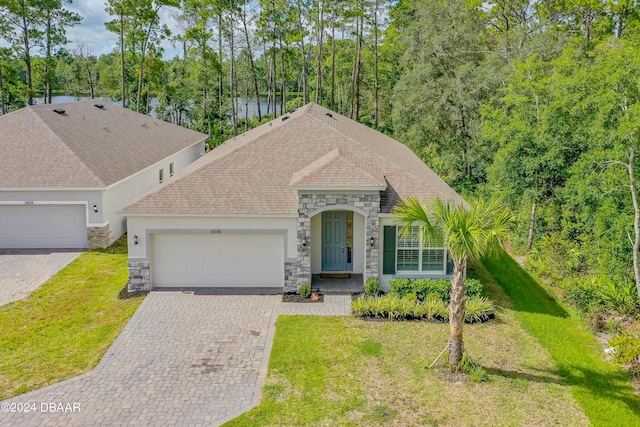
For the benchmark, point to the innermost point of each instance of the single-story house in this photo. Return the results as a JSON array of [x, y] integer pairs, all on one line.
[[310, 192], [66, 169]]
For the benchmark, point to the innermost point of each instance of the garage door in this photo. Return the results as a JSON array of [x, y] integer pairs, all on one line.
[[43, 226], [217, 260]]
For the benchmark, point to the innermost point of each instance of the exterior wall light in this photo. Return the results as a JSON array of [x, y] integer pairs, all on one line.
[[135, 239], [372, 241], [305, 242], [95, 208]]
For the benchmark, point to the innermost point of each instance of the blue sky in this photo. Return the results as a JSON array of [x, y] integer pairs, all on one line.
[[93, 33]]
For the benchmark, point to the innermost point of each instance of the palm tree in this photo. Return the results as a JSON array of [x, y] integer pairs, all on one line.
[[469, 233]]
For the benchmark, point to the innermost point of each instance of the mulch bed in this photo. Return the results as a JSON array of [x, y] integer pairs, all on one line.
[[294, 297], [125, 294]]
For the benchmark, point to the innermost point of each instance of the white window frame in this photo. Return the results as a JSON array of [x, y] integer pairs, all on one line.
[[171, 169], [161, 175], [421, 249]]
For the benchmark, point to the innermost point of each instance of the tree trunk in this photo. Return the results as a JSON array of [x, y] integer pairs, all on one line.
[[122, 79], [456, 314], [320, 33], [333, 63], [376, 120], [27, 54], [254, 75], [232, 78], [274, 79], [268, 71], [532, 225], [142, 56], [359, 66], [636, 219], [283, 83], [48, 78], [220, 77], [2, 101], [303, 74]]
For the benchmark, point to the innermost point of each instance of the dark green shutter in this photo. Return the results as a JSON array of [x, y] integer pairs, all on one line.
[[449, 265], [389, 252]]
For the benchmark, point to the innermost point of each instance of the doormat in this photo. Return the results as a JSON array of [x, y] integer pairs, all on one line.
[[336, 275]]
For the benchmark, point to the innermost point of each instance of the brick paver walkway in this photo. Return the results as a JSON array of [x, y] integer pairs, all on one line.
[[182, 359], [23, 271]]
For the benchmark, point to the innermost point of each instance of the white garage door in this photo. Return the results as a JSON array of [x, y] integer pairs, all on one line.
[[217, 260], [43, 226]]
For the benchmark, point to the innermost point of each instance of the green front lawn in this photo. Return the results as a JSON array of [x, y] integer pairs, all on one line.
[[602, 388], [347, 371], [64, 328]]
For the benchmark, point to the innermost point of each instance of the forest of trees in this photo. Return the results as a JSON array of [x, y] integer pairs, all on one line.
[[537, 102]]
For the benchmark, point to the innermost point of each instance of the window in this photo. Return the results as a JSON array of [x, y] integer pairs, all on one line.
[[171, 169], [161, 175], [415, 254]]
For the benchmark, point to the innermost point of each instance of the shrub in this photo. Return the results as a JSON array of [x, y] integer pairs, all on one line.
[[390, 306], [583, 294], [441, 288], [621, 298], [400, 287], [361, 307], [478, 309], [436, 309], [371, 288], [477, 374], [304, 290], [472, 288], [627, 348]]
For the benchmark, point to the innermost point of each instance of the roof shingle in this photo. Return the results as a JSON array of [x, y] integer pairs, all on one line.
[[86, 147], [259, 172]]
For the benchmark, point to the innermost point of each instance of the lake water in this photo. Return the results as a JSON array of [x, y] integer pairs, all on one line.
[[252, 105]]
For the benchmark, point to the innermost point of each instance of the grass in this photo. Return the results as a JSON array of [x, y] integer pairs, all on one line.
[[602, 389], [64, 328], [350, 372]]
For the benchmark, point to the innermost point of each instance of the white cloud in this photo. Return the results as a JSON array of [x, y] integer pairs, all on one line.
[[92, 30]]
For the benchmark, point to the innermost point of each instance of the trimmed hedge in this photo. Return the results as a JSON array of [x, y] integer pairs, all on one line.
[[393, 307], [440, 288]]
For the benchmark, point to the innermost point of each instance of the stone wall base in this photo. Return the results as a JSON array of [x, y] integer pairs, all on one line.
[[98, 237], [291, 277], [139, 276]]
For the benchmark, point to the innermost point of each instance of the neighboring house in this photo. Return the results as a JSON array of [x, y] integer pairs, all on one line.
[[307, 193], [66, 169]]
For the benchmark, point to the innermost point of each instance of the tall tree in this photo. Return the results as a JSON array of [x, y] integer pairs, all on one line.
[[25, 17], [55, 20], [469, 233]]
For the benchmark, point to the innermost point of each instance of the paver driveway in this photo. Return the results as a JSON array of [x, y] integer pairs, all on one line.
[[23, 271], [182, 359]]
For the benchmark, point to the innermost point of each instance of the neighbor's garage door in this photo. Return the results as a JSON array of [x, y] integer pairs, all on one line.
[[217, 260], [43, 226]]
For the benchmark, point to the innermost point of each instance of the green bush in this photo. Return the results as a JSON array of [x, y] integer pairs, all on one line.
[[361, 307], [304, 290], [423, 288], [372, 288], [623, 299], [436, 308], [627, 348], [478, 309], [390, 306]]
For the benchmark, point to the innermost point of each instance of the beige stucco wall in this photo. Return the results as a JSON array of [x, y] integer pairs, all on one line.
[[143, 226], [121, 194]]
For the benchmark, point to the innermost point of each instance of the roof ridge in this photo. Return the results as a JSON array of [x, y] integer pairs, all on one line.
[[33, 110], [367, 149]]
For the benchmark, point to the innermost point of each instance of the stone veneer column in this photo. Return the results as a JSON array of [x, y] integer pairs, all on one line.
[[139, 277], [369, 203], [98, 237]]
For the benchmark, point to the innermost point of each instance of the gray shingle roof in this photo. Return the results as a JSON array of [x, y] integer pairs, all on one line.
[[259, 172], [86, 147]]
